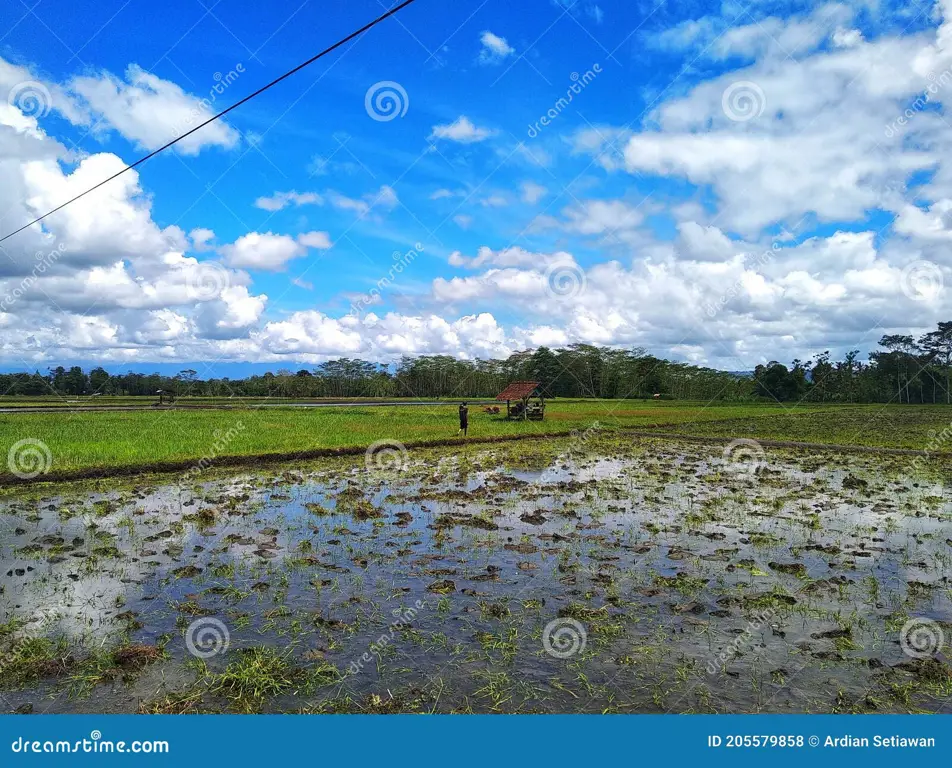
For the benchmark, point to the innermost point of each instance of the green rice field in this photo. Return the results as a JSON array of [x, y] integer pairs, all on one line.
[[77, 441]]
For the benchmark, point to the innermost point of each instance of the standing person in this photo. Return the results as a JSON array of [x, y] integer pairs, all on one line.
[[463, 419]]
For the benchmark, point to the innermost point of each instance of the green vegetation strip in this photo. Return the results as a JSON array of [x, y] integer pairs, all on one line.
[[125, 443]]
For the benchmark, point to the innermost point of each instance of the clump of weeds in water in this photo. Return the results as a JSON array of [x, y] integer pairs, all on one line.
[[255, 675], [27, 661], [258, 674], [184, 703]]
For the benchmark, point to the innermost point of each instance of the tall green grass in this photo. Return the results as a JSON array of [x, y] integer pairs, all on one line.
[[78, 440]]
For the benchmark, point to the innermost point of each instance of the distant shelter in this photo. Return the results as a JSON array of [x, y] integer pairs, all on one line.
[[524, 400]]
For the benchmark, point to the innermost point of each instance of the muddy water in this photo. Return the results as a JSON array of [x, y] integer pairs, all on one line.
[[652, 577]]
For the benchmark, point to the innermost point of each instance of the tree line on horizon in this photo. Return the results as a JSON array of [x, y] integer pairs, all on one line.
[[904, 370]]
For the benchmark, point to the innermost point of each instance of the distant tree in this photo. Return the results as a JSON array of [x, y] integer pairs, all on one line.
[[75, 381], [99, 380], [938, 345]]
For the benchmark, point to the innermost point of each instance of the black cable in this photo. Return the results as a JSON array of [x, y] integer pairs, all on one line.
[[224, 112]]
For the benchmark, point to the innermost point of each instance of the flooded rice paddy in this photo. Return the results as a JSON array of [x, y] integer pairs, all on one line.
[[602, 575]]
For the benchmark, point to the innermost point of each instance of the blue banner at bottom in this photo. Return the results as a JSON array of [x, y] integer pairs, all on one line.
[[469, 740]]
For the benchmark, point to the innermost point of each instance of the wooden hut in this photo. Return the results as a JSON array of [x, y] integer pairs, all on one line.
[[528, 399]]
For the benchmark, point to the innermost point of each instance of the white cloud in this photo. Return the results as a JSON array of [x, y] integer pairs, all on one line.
[[268, 251], [143, 108], [532, 193], [494, 48], [149, 111], [320, 240], [105, 281], [704, 243], [201, 238], [847, 38], [461, 130], [232, 316], [313, 335], [281, 200], [715, 292], [513, 256], [725, 35], [817, 142], [384, 199], [602, 217]]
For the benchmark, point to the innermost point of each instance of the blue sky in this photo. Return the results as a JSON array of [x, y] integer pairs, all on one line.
[[721, 187]]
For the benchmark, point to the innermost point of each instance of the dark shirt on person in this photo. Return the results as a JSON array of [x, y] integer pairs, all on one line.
[[463, 416]]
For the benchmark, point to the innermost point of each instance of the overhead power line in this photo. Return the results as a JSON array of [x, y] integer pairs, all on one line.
[[343, 41]]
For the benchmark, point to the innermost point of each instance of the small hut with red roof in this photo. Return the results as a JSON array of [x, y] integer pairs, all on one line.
[[521, 393]]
